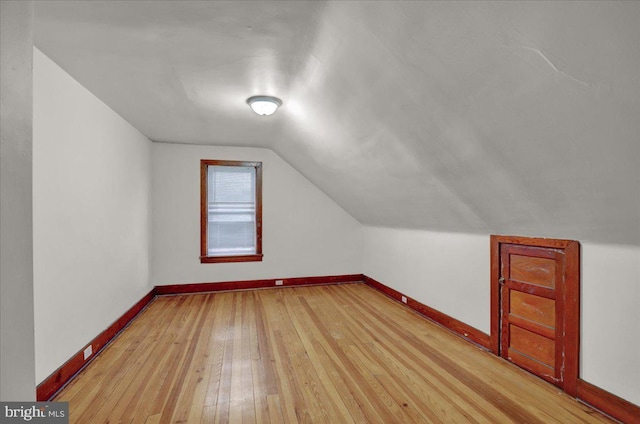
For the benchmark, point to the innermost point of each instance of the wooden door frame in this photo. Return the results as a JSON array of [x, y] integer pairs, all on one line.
[[571, 290]]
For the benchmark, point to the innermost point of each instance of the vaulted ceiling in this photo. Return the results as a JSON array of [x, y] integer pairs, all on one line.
[[478, 117]]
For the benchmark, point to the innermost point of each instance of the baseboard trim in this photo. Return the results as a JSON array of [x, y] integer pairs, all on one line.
[[612, 405], [255, 284], [63, 375], [60, 377], [591, 395], [455, 326]]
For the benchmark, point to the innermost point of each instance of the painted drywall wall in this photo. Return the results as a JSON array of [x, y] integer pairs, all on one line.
[[16, 243], [610, 324], [446, 271], [451, 273], [91, 197], [304, 232]]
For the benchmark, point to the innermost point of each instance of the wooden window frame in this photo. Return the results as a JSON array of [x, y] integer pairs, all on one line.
[[204, 218]]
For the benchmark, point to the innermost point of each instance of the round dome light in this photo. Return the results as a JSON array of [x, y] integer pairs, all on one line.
[[264, 105]]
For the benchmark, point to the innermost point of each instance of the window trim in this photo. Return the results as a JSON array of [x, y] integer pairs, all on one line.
[[204, 211]]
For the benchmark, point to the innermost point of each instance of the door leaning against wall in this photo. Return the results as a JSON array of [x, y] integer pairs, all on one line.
[[535, 306]]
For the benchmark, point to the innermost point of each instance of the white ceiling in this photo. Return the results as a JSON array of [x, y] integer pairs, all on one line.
[[481, 117]]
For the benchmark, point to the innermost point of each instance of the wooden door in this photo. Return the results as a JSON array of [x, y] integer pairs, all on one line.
[[530, 303], [537, 306]]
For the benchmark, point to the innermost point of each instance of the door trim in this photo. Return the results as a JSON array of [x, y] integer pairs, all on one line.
[[571, 297]]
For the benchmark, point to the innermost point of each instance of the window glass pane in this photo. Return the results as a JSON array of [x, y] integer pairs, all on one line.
[[231, 210]]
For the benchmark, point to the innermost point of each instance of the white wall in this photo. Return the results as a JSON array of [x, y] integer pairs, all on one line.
[[91, 197], [16, 243], [447, 271], [451, 273], [610, 324], [304, 232]]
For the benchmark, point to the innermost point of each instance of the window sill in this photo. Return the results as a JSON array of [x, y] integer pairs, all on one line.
[[238, 258]]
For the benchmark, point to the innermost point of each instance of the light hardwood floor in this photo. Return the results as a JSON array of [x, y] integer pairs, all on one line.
[[323, 354]]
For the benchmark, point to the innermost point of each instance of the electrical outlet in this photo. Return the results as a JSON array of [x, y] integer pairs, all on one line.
[[87, 352], [404, 299], [279, 282]]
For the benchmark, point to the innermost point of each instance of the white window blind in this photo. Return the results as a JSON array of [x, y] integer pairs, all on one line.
[[231, 200]]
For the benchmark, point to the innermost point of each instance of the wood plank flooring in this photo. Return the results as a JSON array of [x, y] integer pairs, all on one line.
[[322, 354]]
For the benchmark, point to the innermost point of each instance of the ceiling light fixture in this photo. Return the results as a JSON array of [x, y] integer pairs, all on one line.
[[264, 105]]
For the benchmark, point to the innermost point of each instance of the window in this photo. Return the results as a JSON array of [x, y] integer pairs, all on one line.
[[230, 211]]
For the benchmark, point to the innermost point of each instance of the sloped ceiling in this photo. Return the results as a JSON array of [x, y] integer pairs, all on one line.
[[501, 117]]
